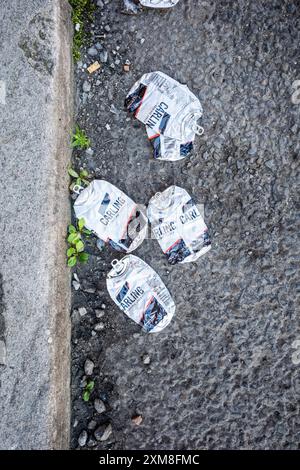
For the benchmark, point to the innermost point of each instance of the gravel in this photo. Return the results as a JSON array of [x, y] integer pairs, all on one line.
[[82, 311], [107, 433], [76, 285], [99, 406], [92, 424], [99, 313], [86, 87], [89, 367], [93, 51], [103, 56], [221, 375], [99, 326], [103, 432], [137, 420], [82, 438], [146, 359]]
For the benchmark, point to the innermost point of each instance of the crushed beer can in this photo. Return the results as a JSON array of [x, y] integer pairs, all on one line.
[[112, 216], [140, 293], [178, 226], [170, 112], [159, 3]]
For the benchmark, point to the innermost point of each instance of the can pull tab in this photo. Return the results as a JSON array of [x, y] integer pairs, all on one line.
[[77, 188], [198, 129], [118, 266]]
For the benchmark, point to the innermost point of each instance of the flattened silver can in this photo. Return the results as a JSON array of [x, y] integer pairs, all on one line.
[[159, 3], [178, 226], [170, 112], [140, 293], [113, 216]]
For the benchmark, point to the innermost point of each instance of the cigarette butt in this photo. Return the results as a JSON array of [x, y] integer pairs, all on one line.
[[93, 67]]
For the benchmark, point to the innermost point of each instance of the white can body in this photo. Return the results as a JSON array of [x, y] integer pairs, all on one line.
[[159, 3], [170, 112], [178, 226], [111, 215], [140, 293]]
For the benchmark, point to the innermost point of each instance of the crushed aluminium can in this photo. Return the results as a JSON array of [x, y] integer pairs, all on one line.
[[159, 3], [140, 293], [178, 226], [111, 215], [170, 112]]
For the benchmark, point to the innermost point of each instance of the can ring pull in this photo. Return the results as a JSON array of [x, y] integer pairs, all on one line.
[[77, 188], [198, 130]]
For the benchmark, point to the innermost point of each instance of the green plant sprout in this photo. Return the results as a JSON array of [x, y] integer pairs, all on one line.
[[80, 178], [88, 390], [75, 251], [80, 139]]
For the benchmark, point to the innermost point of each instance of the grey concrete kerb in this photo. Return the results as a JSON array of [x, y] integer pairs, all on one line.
[[35, 121]]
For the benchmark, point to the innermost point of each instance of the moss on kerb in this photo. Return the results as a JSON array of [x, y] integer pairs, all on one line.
[[82, 11]]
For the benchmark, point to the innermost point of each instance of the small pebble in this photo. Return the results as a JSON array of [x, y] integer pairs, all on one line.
[[92, 424], [104, 56], [100, 432], [99, 406], [89, 290], [82, 311], [82, 438], [86, 86], [91, 443], [93, 51], [76, 285], [146, 359], [107, 433], [89, 151], [137, 419], [88, 367], [99, 313]]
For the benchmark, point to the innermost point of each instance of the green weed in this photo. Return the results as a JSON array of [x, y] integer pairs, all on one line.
[[80, 139], [88, 390], [75, 251]]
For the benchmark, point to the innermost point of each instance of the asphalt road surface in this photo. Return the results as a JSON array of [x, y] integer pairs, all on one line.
[[222, 375]]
